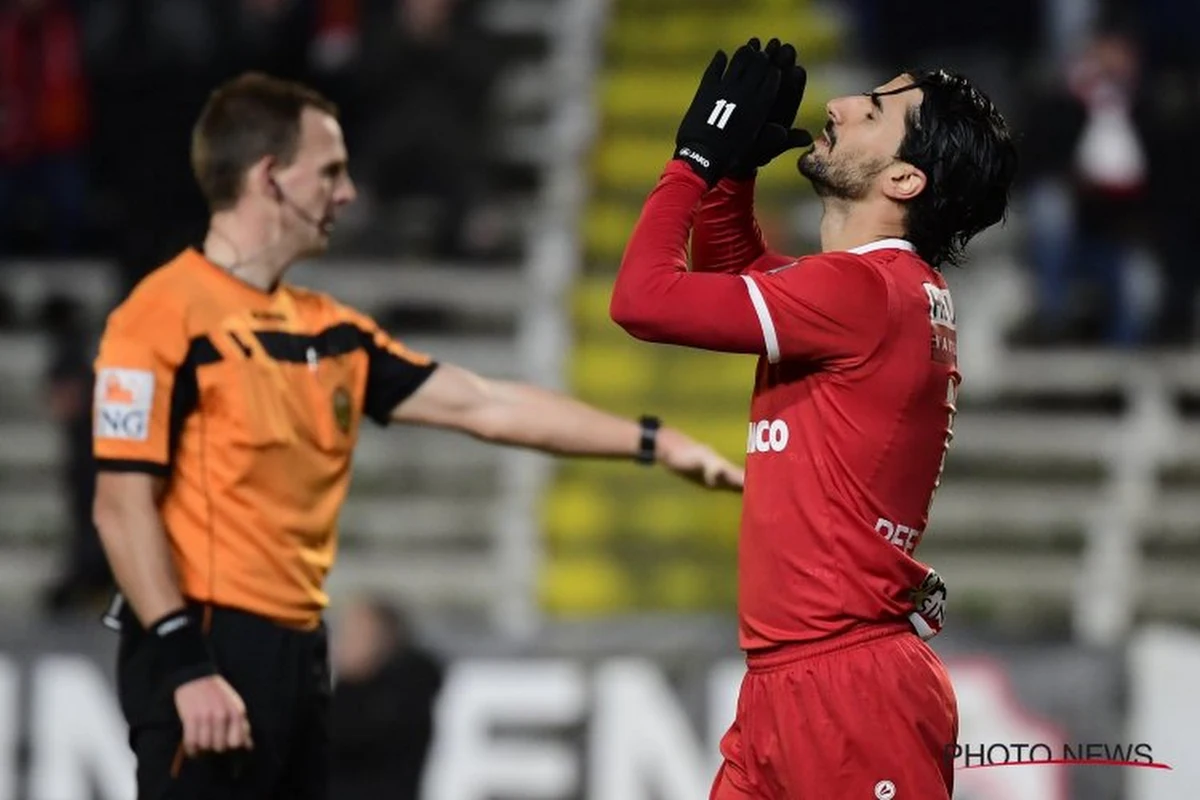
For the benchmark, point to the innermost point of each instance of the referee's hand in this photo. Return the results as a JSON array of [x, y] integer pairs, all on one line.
[[213, 716], [697, 463]]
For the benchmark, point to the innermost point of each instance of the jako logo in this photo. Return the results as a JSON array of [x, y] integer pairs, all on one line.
[[767, 436], [694, 156]]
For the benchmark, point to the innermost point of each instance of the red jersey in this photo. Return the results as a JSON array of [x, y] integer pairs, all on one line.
[[851, 414]]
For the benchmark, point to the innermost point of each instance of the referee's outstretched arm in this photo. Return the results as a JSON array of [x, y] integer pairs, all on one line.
[[523, 415]]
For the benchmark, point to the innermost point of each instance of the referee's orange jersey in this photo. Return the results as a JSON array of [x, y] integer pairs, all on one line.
[[249, 403]]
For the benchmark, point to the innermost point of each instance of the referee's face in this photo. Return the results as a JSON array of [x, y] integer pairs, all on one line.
[[316, 185]]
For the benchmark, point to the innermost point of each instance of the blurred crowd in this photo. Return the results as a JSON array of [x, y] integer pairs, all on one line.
[[97, 99], [1105, 99]]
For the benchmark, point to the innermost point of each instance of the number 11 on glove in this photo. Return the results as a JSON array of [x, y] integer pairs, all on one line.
[[727, 112]]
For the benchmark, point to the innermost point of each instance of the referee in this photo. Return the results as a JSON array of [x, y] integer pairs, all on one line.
[[227, 408]]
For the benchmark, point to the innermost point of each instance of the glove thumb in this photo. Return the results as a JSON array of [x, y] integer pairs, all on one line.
[[775, 139], [797, 137], [772, 140]]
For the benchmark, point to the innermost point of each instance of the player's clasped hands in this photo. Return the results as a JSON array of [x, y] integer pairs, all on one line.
[[742, 114], [213, 716]]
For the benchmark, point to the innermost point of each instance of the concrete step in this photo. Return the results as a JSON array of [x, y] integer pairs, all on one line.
[[469, 582], [365, 284], [395, 520], [463, 582], [93, 284], [1017, 576], [1031, 436], [970, 505], [28, 444], [491, 291], [400, 523]]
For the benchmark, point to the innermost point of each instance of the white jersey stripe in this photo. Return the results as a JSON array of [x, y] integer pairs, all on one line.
[[770, 339]]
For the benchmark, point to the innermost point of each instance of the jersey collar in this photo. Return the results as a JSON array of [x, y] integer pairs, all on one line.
[[884, 244]]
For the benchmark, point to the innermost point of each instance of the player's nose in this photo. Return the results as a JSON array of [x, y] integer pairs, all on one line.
[[833, 109]]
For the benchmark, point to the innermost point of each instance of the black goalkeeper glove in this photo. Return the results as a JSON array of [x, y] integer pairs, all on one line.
[[777, 136], [727, 112]]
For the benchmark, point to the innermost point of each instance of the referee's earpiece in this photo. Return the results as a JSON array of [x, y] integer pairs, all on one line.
[[275, 188]]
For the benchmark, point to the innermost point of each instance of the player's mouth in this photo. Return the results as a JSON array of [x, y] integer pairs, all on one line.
[[328, 223]]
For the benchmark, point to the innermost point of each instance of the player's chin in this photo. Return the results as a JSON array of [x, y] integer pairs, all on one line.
[[809, 164]]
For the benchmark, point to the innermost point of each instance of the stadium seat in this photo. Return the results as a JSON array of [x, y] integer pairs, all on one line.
[[583, 585]]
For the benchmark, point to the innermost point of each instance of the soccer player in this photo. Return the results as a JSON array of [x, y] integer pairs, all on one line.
[[852, 408], [227, 407]]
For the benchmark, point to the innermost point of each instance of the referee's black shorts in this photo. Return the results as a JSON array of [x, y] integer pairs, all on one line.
[[283, 676]]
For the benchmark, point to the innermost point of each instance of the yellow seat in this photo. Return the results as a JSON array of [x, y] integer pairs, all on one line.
[[667, 517], [575, 513], [606, 230], [586, 585], [702, 32], [612, 372], [686, 586], [725, 375], [590, 298]]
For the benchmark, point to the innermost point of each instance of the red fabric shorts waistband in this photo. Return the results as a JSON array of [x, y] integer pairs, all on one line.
[[785, 654]]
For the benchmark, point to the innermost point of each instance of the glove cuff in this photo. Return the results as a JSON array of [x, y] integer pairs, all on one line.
[[701, 162], [741, 173], [182, 651]]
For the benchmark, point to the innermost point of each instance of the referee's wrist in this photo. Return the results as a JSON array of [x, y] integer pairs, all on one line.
[[181, 647], [647, 452]]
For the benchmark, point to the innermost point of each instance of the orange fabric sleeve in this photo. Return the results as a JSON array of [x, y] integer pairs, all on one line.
[[394, 371], [142, 349]]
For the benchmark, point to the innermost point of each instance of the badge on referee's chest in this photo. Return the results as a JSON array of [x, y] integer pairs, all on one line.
[[341, 408]]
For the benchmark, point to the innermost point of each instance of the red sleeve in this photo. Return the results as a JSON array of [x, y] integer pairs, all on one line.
[[655, 298], [726, 237], [832, 306]]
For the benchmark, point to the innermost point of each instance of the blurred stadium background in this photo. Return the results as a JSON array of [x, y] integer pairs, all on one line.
[[585, 610]]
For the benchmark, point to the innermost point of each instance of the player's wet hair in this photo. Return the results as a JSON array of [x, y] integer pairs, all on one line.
[[246, 119], [962, 144]]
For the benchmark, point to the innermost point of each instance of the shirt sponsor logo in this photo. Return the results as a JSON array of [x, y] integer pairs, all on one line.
[[901, 536], [767, 436], [123, 401], [944, 339]]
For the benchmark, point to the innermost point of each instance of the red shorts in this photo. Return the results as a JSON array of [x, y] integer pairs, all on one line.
[[867, 716]]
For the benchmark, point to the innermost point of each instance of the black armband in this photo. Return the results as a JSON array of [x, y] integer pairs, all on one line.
[[648, 445], [182, 651]]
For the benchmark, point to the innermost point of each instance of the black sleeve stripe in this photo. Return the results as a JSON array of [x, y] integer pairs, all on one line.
[[390, 381], [127, 465], [185, 390]]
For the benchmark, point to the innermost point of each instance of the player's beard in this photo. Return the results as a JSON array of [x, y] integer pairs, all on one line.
[[837, 179]]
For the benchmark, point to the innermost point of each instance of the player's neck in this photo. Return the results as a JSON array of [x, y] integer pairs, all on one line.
[[846, 225], [246, 249]]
